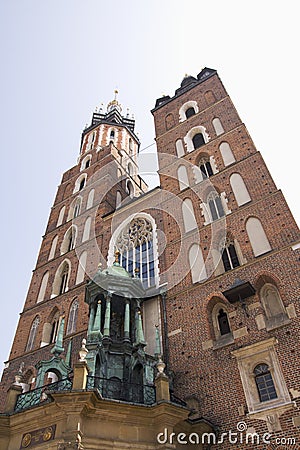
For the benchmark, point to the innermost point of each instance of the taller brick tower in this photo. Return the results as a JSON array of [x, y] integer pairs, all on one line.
[[199, 274]]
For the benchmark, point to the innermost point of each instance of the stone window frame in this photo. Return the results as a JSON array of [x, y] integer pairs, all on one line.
[[120, 239], [206, 211], [273, 321], [31, 344], [80, 183], [86, 159], [185, 107], [219, 339], [188, 138], [247, 359]]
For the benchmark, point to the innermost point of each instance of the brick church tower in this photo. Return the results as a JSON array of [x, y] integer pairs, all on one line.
[[181, 303]]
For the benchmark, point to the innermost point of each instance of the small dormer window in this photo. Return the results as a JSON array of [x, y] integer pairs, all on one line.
[[87, 164]]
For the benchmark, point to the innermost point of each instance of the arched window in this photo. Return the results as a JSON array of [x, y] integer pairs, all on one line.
[[221, 325], [187, 110], [86, 162], [257, 236], [80, 183], [183, 179], [229, 257], [169, 121], [209, 97], [239, 189], [90, 141], [54, 326], [190, 112], [189, 220], [50, 328], [61, 216], [43, 287], [130, 169], [272, 303], [205, 168], [69, 240], [223, 322], [196, 261], [112, 135], [73, 314], [218, 126], [118, 199], [53, 248], [264, 383], [179, 148], [130, 189], [215, 206], [90, 199], [198, 140], [75, 208], [32, 334], [86, 230], [226, 153], [136, 243], [81, 267], [61, 279]]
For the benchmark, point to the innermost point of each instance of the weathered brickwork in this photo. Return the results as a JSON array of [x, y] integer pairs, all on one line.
[[203, 364]]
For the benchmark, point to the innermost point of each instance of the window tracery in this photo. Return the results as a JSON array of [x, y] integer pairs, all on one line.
[[135, 245]]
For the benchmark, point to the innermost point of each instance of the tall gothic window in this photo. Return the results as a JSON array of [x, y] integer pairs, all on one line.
[[215, 207], [264, 383], [205, 168], [229, 257], [32, 334], [73, 313], [135, 245]]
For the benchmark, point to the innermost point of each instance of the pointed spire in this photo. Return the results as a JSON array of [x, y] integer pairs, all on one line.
[[58, 347], [97, 322], [139, 333], [69, 352]]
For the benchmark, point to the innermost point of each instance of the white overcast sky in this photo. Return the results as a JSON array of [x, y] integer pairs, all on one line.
[[60, 59]]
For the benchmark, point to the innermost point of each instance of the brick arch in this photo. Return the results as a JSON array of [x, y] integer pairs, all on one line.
[[266, 277], [213, 299], [210, 188], [200, 156]]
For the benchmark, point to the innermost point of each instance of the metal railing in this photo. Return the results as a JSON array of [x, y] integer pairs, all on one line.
[[116, 389], [40, 395]]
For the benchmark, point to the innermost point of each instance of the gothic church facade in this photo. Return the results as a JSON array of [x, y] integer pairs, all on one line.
[[174, 310]]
